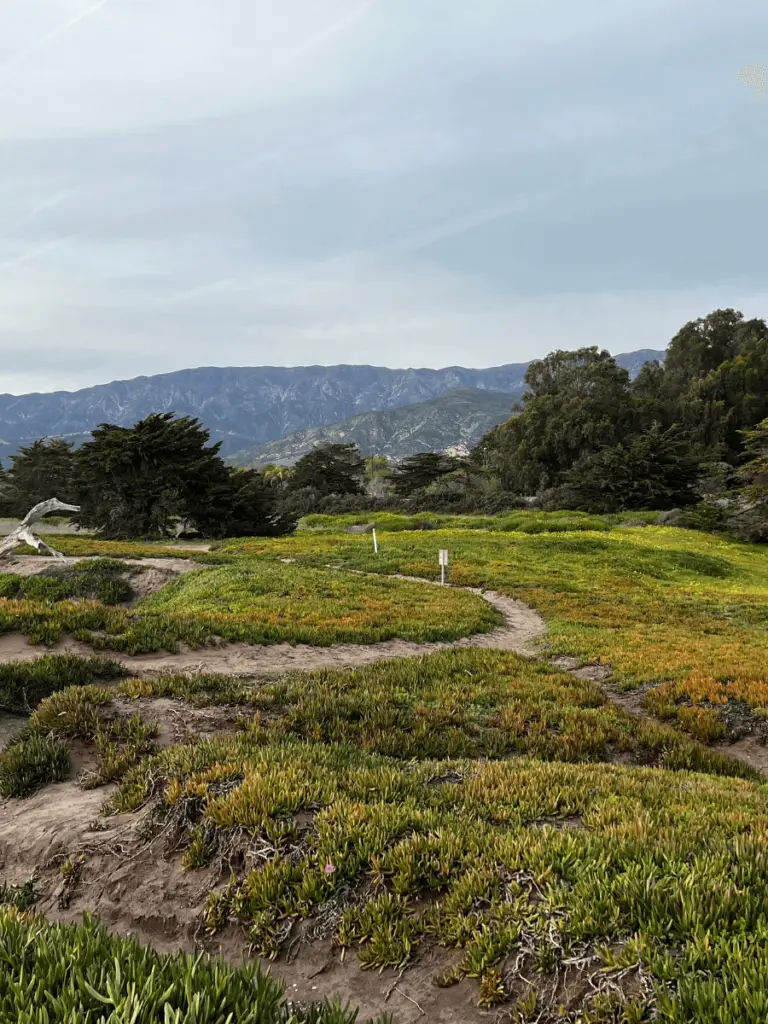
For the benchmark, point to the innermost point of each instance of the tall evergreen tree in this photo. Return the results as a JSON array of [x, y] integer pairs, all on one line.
[[419, 471], [700, 346], [134, 481], [140, 481], [575, 403], [730, 399], [330, 469], [655, 469], [42, 470], [244, 505]]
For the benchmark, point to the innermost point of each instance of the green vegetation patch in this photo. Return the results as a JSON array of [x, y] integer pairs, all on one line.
[[550, 862], [261, 603], [88, 547], [32, 762], [460, 703], [22, 897], [522, 522], [23, 684], [661, 605], [271, 603], [40, 752], [80, 973], [99, 579]]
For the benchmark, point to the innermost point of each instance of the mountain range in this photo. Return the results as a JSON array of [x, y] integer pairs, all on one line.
[[457, 420], [246, 407]]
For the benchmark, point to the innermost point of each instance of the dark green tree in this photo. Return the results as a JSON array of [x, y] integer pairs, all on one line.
[[330, 469], [656, 469], [137, 481], [42, 470], [416, 472], [649, 400], [748, 513], [141, 481], [575, 403], [244, 505], [738, 501], [700, 346], [718, 408]]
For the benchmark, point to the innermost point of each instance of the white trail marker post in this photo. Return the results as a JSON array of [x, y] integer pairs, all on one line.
[[443, 564], [375, 544]]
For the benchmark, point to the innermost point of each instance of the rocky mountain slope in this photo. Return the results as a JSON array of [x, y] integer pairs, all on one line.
[[457, 419], [246, 406]]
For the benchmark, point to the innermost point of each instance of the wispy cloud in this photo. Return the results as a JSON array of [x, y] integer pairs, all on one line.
[[51, 37], [32, 254], [321, 38]]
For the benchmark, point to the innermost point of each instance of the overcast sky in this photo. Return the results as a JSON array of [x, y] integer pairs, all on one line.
[[400, 182]]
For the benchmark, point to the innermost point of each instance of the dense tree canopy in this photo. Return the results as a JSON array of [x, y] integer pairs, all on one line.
[[576, 403], [141, 481], [654, 469], [584, 426], [39, 471], [417, 472], [330, 469]]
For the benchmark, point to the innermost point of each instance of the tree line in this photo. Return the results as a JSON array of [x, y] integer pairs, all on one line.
[[152, 480], [690, 433]]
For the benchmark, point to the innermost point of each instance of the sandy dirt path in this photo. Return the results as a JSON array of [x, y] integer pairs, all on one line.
[[522, 627]]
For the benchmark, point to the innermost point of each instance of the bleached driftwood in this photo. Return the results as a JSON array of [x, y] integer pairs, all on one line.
[[23, 533]]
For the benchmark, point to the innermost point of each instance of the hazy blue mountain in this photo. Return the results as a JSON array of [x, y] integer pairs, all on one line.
[[248, 406], [457, 419]]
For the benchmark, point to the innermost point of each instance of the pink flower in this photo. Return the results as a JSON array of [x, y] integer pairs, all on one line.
[[329, 868]]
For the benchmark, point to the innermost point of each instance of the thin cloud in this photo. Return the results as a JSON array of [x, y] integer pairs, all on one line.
[[51, 36], [319, 39], [330, 181], [47, 204], [33, 254]]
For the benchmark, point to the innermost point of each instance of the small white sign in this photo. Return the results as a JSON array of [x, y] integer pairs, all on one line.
[[443, 557]]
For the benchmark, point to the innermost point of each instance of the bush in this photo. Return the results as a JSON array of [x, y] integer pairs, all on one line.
[[491, 860], [32, 762], [96, 579], [22, 897], [23, 684]]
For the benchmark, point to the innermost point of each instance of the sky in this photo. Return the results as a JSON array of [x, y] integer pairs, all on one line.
[[398, 182]]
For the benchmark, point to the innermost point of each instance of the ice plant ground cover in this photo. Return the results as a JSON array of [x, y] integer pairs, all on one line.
[[490, 814], [254, 601], [680, 611]]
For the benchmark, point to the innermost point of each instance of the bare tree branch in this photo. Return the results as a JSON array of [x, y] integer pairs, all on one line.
[[23, 533], [44, 507]]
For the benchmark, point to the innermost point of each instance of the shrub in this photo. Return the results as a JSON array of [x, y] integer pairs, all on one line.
[[100, 579], [22, 897], [461, 703], [494, 860], [32, 762], [23, 684]]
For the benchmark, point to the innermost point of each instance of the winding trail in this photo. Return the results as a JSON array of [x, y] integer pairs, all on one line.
[[522, 626]]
